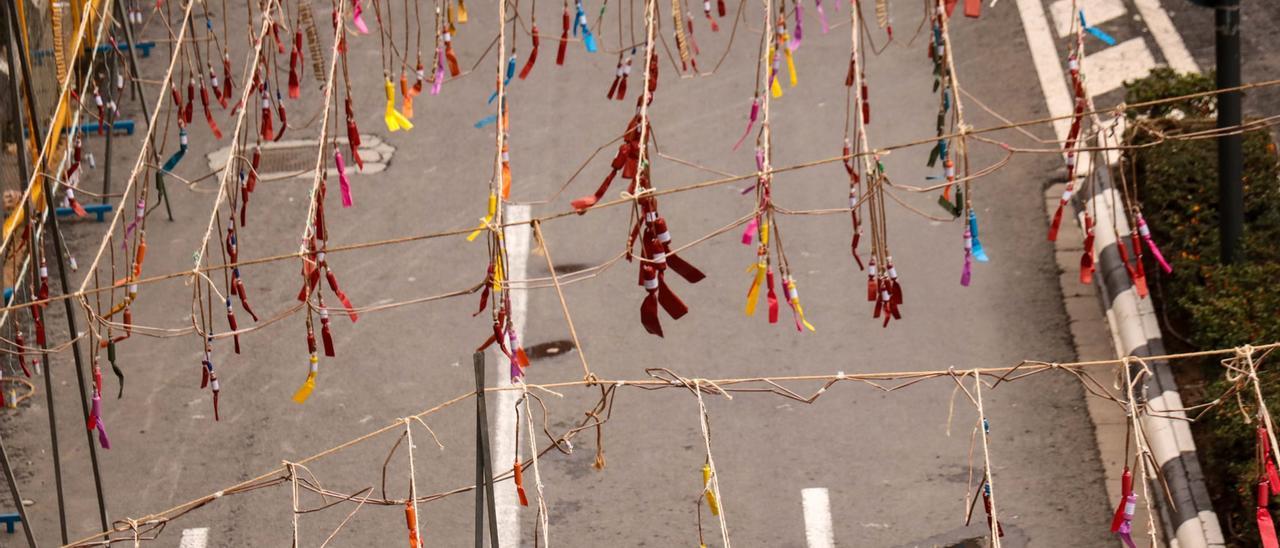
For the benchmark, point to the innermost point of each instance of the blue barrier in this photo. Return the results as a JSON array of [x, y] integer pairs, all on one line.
[[99, 210], [144, 47], [91, 128], [9, 521]]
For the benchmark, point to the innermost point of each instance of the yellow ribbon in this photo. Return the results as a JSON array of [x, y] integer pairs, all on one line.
[[753, 294], [711, 495], [795, 301], [493, 210], [395, 120], [309, 386], [462, 12], [791, 62], [775, 87]]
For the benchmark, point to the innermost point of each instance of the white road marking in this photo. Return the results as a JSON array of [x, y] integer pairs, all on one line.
[[1107, 69], [1167, 37], [504, 427], [1096, 13], [197, 537], [1049, 68], [817, 518]]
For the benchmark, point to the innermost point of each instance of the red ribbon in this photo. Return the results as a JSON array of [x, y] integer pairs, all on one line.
[[533, 55]]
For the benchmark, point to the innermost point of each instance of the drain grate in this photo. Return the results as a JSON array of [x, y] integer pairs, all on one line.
[[297, 158], [287, 159]]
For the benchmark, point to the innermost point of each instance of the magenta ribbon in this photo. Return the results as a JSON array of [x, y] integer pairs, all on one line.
[[344, 185], [749, 232], [516, 372], [95, 421], [822, 15], [1145, 232], [751, 121], [1126, 534], [128, 230], [967, 273]]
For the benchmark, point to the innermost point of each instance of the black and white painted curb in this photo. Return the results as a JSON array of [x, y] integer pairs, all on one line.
[[1189, 521]]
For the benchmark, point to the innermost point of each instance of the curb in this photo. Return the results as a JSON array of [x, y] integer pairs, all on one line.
[[1190, 521]]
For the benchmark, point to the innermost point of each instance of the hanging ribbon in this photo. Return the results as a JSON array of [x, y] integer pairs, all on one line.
[[357, 17], [176, 157], [751, 121], [978, 253], [533, 54], [709, 491], [295, 62], [580, 21], [1266, 527], [1122, 521], [564, 37], [308, 386], [395, 121], [1095, 31], [344, 185], [1087, 262], [1145, 232]]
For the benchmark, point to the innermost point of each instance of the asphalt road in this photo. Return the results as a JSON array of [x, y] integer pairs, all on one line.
[[894, 476]]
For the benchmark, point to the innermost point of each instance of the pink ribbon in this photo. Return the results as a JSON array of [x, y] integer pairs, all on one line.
[[822, 15], [1145, 232], [356, 18], [795, 40], [439, 77]]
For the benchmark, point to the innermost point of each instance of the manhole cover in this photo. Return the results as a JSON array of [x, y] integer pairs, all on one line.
[[297, 158]]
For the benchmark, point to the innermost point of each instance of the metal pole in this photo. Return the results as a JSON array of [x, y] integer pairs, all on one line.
[[17, 497], [109, 120], [123, 16], [60, 250], [25, 171], [484, 461], [1230, 145]]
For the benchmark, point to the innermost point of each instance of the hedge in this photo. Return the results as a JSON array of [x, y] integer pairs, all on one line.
[[1204, 302]]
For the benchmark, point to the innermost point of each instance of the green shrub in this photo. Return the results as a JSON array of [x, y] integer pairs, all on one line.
[[1165, 83], [1212, 305]]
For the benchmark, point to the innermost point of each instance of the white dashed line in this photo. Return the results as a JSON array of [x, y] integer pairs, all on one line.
[[817, 518], [1049, 68], [1107, 69], [1167, 37], [1096, 12], [197, 537]]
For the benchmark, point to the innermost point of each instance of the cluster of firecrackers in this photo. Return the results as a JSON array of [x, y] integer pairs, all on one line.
[[315, 263], [782, 47], [762, 228], [1140, 233], [1268, 483], [649, 229], [240, 175], [952, 146], [496, 280], [867, 179]]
